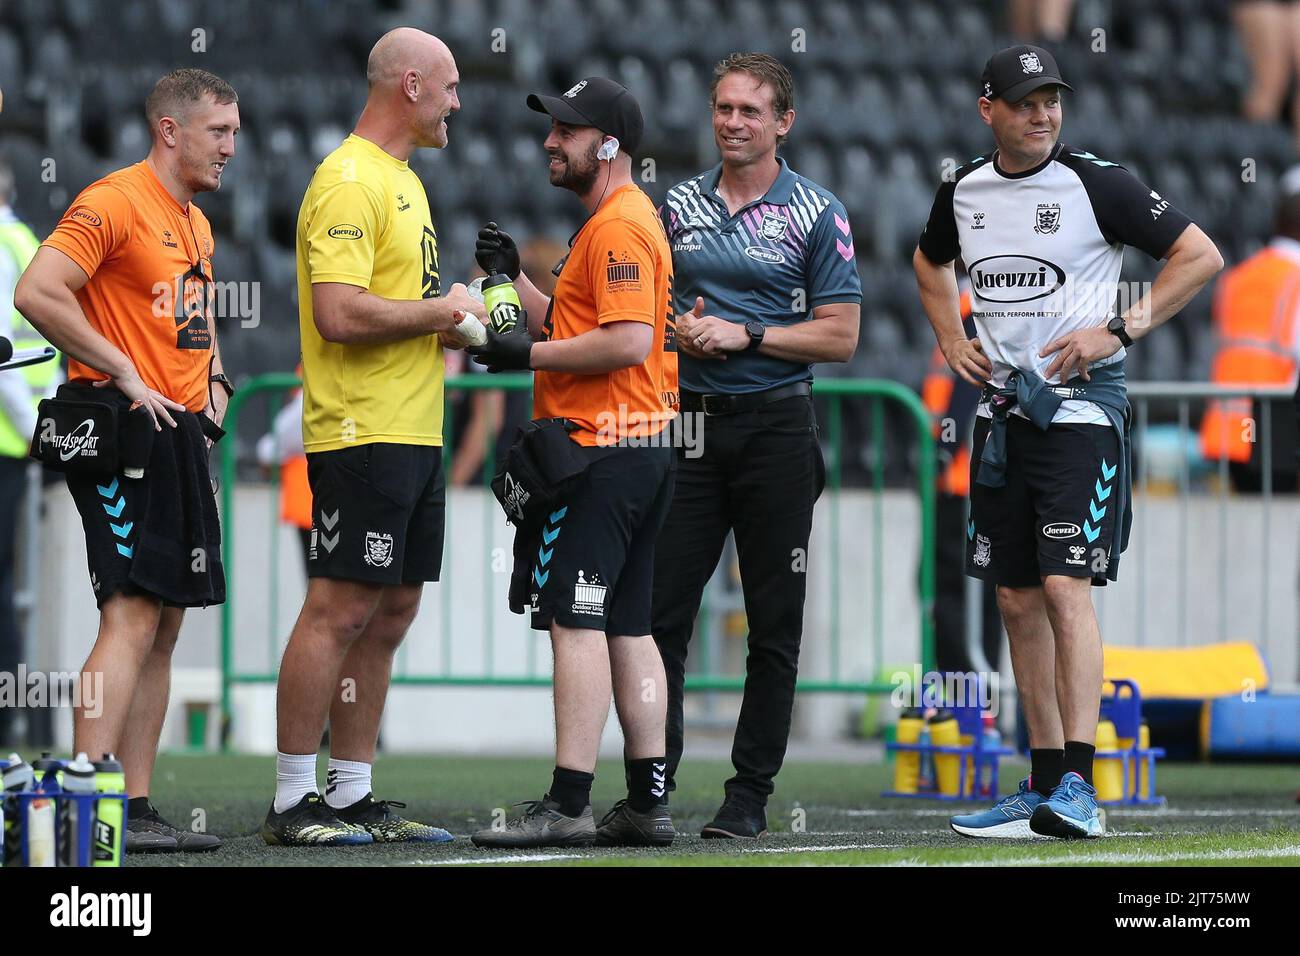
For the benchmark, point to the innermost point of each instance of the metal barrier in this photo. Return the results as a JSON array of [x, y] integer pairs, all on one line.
[[1143, 396], [1159, 600], [833, 390]]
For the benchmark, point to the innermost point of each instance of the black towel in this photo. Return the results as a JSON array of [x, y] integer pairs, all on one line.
[[178, 556]]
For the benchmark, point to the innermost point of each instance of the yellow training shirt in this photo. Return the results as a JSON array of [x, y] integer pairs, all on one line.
[[365, 222]]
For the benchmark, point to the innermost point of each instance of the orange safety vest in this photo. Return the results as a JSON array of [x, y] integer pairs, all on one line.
[[1255, 307], [936, 393], [295, 491]]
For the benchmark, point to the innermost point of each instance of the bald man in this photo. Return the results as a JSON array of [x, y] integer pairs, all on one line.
[[373, 324]]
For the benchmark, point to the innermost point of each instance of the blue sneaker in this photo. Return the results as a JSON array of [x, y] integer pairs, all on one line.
[[1071, 812], [1008, 819]]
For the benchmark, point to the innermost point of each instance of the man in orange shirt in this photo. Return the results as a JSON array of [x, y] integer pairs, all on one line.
[[606, 361], [124, 286]]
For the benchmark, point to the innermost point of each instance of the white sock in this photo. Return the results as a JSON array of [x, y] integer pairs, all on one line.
[[295, 777], [346, 782]]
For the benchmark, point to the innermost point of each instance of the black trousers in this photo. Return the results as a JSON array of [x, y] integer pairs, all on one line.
[[13, 489], [759, 475], [950, 592]]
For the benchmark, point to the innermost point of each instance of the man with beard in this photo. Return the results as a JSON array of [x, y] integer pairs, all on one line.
[[603, 351]]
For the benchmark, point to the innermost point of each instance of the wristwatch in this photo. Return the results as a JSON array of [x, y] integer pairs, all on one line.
[[220, 379], [755, 329], [1116, 328]]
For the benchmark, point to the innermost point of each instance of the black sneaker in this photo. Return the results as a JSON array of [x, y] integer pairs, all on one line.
[[141, 839], [375, 817], [311, 822], [736, 820], [541, 824], [152, 828], [623, 826]]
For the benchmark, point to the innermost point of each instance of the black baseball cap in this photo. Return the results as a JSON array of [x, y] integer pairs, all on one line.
[[1017, 71], [596, 102]]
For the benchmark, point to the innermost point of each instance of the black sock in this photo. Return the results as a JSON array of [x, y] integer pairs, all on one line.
[[1045, 770], [645, 782], [1078, 758], [137, 807], [571, 789]]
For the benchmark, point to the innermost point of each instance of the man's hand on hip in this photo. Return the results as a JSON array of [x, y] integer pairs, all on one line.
[[1076, 351], [966, 358]]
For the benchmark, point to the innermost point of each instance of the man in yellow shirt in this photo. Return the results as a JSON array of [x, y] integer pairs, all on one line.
[[373, 327]]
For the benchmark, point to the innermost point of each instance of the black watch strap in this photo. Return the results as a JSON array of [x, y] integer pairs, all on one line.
[[221, 379], [756, 331], [1116, 327]]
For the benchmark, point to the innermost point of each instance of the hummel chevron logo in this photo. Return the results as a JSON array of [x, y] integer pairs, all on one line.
[[846, 252], [1107, 473], [116, 510], [108, 492], [970, 530], [329, 521], [122, 530], [330, 543], [1102, 492], [541, 578], [1097, 514], [544, 557], [558, 516], [124, 550], [549, 535], [841, 224], [1090, 532]]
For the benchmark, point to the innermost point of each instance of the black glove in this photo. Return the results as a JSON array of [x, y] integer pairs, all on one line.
[[496, 252], [508, 352]]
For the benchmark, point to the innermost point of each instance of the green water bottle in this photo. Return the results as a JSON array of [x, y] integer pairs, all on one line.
[[109, 822], [502, 303]]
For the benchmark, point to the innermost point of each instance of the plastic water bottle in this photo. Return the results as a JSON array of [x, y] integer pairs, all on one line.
[[925, 775], [502, 303], [38, 825], [4, 765], [944, 732], [76, 816], [109, 825], [18, 778], [990, 742], [907, 763]]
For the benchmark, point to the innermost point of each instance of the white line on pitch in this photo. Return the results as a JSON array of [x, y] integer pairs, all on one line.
[[827, 849], [518, 858], [1113, 858]]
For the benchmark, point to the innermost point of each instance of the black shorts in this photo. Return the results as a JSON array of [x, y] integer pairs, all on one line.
[[378, 512], [1057, 512], [594, 567], [141, 532]]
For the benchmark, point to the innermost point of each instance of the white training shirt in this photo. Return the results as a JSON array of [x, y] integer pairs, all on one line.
[[1043, 250]]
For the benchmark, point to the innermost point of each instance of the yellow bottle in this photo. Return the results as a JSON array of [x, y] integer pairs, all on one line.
[[944, 732], [1126, 743], [968, 785], [1107, 772], [1143, 781], [907, 763]]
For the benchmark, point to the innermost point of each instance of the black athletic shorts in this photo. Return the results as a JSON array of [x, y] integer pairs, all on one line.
[[1057, 512], [378, 512], [594, 566]]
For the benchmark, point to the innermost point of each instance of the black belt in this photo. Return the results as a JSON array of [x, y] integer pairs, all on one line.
[[741, 402]]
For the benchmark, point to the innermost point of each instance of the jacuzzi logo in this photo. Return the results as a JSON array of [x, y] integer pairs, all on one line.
[[1011, 279]]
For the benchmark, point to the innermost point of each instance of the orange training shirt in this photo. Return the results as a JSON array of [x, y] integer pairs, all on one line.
[[619, 270], [151, 288]]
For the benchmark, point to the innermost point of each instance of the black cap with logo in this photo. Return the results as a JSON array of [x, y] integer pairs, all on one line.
[[596, 102], [1017, 71]]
